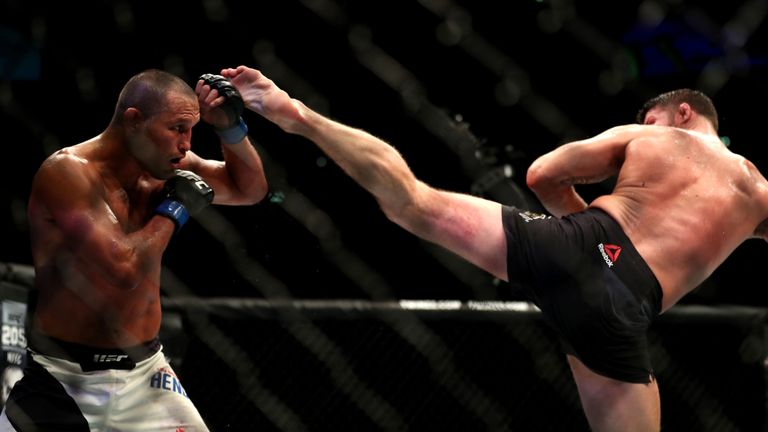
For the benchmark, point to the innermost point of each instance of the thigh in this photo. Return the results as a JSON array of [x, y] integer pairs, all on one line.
[[155, 400], [38, 401], [612, 405], [147, 398], [5, 425]]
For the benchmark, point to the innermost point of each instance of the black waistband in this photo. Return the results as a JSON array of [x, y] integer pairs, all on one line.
[[93, 358]]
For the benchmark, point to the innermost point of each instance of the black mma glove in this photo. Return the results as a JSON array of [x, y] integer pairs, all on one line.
[[187, 194], [233, 106]]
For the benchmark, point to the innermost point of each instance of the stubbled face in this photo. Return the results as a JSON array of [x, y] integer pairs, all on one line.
[[160, 142]]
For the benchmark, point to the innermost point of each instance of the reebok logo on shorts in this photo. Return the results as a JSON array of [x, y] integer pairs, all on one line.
[[609, 252]]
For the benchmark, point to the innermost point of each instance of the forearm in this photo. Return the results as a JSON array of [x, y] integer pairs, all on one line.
[[245, 169], [552, 178], [150, 243], [125, 259], [560, 201]]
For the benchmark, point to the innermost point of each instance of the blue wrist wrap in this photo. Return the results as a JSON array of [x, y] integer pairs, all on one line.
[[173, 210], [234, 134]]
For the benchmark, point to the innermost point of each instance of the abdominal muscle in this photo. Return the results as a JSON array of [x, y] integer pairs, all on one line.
[[91, 314]]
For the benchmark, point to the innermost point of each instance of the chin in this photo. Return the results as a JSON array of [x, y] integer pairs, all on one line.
[[165, 174]]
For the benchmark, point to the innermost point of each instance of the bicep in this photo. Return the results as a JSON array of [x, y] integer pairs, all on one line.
[[466, 225], [235, 180], [214, 173]]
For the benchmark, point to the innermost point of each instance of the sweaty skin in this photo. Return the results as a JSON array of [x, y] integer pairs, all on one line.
[[86, 263], [681, 196], [96, 242]]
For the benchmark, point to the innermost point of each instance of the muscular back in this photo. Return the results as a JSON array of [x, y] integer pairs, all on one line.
[[686, 202]]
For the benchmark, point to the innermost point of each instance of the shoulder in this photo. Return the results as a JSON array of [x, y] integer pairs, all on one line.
[[67, 159], [754, 174], [639, 129], [63, 156], [653, 137], [66, 169], [628, 133]]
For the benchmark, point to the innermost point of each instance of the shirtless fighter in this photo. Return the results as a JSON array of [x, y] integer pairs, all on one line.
[[101, 214], [600, 271]]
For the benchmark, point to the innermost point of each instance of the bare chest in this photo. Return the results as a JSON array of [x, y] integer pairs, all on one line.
[[131, 209]]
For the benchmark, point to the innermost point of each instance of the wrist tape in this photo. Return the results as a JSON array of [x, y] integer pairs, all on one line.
[[175, 211], [234, 134]]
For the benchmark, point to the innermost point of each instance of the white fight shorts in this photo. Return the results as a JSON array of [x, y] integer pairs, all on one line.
[[56, 395]]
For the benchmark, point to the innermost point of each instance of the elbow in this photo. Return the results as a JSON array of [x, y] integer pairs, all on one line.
[[535, 177], [540, 181], [131, 267], [125, 277], [545, 178], [261, 192], [259, 197], [254, 193], [258, 193]]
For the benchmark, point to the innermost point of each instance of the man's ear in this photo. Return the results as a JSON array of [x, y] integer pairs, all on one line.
[[131, 117], [685, 112]]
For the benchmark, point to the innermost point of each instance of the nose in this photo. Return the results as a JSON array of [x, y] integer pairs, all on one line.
[[185, 142]]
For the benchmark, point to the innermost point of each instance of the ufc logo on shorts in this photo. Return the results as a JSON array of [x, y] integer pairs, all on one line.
[[108, 358]]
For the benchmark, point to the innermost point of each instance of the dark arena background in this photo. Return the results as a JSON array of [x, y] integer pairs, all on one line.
[[310, 311]]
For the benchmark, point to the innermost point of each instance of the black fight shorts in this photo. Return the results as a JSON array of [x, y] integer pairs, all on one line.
[[591, 285]]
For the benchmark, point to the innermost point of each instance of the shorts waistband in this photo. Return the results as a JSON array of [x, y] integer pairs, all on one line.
[[92, 358]]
